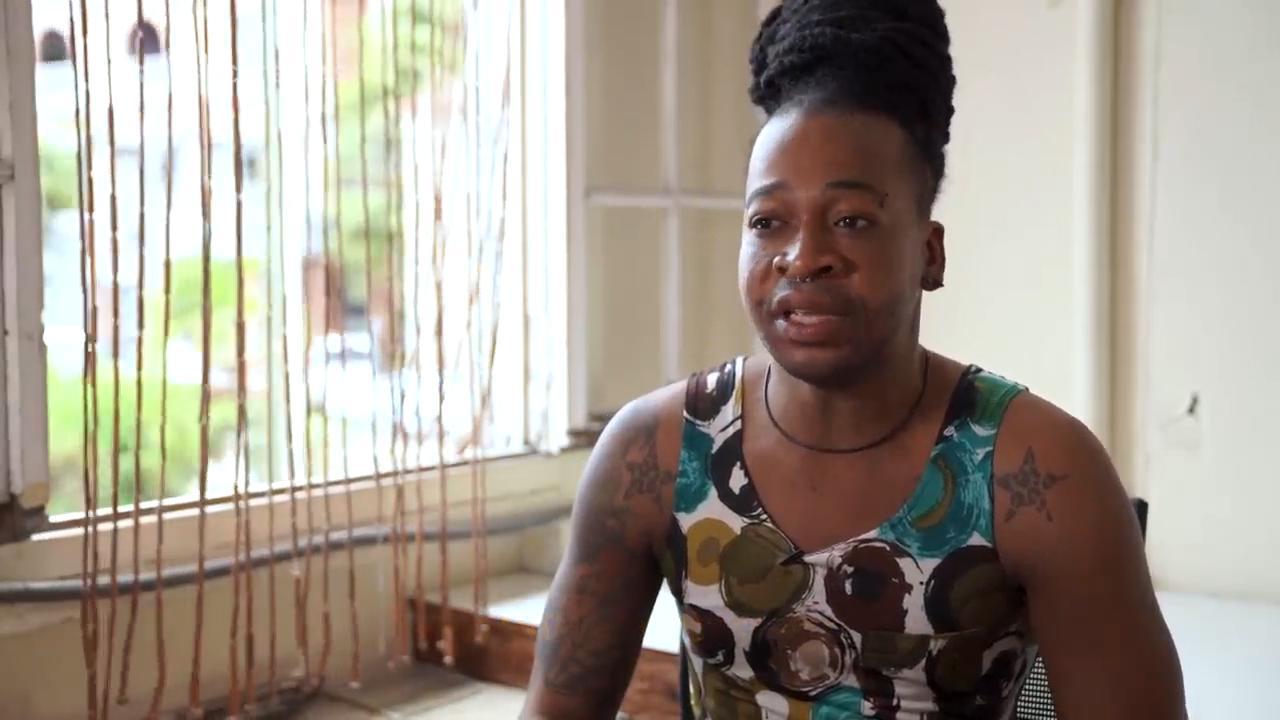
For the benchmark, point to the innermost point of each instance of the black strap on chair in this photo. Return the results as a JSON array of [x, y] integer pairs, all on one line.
[[686, 703], [1140, 509]]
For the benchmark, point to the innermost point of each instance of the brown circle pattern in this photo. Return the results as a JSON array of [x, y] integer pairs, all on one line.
[[866, 586], [729, 477], [969, 589], [709, 636], [754, 581], [729, 697], [801, 654]]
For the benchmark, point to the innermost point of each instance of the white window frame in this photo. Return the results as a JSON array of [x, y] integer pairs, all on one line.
[[672, 198], [24, 441], [24, 453]]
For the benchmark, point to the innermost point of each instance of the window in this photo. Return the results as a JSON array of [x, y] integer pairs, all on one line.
[[657, 191], [345, 267]]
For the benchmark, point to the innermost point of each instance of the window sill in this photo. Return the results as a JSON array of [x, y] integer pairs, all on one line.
[[516, 487]]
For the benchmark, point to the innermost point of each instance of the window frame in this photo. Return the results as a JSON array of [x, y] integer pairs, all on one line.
[[672, 198], [24, 440], [540, 55]]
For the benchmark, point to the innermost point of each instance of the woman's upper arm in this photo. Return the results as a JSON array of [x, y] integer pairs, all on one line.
[[604, 589], [1066, 529]]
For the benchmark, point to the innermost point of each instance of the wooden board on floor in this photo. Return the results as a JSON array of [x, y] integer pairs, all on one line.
[[506, 656]]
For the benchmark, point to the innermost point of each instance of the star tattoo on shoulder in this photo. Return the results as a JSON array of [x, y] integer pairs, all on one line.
[[1028, 487]]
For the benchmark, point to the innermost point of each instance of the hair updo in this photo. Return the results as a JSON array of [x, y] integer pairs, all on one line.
[[890, 57]]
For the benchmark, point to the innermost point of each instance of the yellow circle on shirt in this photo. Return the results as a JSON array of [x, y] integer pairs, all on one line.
[[706, 540]]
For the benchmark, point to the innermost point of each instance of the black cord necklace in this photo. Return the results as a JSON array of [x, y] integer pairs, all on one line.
[[924, 384]]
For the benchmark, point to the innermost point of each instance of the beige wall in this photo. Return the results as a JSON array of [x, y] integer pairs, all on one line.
[[47, 638], [44, 676]]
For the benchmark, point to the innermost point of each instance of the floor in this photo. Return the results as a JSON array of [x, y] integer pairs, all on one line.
[[420, 692], [1228, 654], [423, 692]]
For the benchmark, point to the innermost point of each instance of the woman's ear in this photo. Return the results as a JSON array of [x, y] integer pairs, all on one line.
[[935, 258]]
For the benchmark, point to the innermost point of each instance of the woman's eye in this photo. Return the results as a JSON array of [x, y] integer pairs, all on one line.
[[852, 222], [761, 223]]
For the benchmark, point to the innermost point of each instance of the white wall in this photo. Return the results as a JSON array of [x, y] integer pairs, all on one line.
[[1188, 295], [1019, 287], [1212, 176]]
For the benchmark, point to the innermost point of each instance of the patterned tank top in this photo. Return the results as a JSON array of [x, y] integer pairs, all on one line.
[[914, 619]]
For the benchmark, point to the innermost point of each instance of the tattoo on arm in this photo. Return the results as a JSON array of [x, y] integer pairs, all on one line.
[[579, 650], [582, 649], [645, 474], [1028, 487]]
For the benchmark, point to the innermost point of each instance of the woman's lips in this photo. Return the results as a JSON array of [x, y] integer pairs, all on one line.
[[811, 328]]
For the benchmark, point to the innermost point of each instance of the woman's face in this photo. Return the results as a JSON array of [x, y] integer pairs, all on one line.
[[836, 245]]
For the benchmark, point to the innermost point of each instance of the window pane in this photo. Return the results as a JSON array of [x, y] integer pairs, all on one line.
[[717, 123], [373, 204], [625, 252], [624, 95]]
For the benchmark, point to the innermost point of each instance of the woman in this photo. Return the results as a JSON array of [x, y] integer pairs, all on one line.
[[852, 525]]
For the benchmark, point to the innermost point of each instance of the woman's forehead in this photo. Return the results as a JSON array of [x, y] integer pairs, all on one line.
[[818, 146]]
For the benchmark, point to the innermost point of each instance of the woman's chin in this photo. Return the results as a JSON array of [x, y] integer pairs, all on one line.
[[821, 365]]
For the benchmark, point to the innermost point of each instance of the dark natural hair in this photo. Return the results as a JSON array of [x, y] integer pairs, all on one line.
[[890, 57]]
